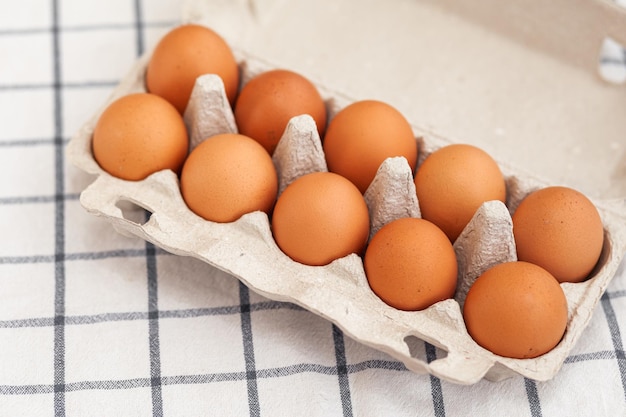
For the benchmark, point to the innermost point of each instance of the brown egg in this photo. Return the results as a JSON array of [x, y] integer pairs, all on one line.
[[267, 102], [453, 182], [320, 217], [140, 134], [184, 54], [362, 135], [410, 264], [227, 176], [517, 310], [559, 229]]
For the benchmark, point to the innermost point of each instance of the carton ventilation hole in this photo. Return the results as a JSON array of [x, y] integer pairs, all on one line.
[[422, 350], [133, 212], [612, 64]]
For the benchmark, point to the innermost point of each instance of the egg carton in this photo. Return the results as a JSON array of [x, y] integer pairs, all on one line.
[[339, 291]]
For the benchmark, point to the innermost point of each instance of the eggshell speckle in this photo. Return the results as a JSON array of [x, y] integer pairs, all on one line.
[[517, 310], [227, 176], [320, 217], [182, 55], [410, 264], [453, 182], [559, 229], [362, 135], [138, 135]]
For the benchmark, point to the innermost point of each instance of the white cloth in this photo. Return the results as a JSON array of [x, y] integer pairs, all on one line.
[[93, 323]]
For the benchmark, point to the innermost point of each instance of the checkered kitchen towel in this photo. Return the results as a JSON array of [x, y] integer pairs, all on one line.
[[93, 323]]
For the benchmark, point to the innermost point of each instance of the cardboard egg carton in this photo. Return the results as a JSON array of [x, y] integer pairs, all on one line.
[[339, 291]]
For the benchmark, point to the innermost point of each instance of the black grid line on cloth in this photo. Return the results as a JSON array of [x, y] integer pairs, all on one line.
[[533, 397], [342, 372], [87, 28], [593, 356], [140, 315], [248, 351], [152, 275], [153, 331], [78, 256], [123, 384], [64, 86], [435, 383], [616, 337], [139, 27], [27, 142], [36, 199], [59, 249]]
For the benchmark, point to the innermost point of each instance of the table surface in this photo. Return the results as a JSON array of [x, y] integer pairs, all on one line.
[[95, 323]]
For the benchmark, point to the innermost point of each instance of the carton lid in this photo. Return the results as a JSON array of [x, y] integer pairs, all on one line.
[[518, 79]]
